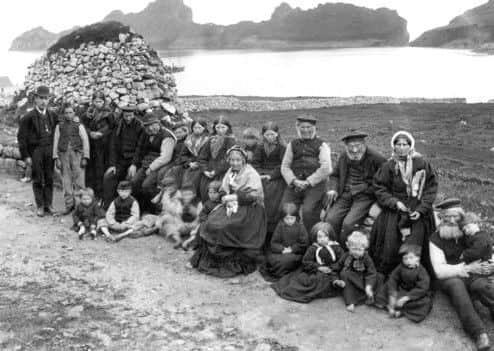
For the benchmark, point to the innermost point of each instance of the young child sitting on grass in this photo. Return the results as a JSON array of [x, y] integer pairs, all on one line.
[[407, 291], [88, 216], [357, 272], [288, 245], [123, 212]]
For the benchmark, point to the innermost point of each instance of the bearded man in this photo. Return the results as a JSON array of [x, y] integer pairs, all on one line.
[[446, 246], [351, 190]]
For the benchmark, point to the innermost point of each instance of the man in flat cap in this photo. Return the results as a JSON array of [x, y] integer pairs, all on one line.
[[35, 138], [446, 246], [154, 150], [123, 146], [351, 192], [305, 167]]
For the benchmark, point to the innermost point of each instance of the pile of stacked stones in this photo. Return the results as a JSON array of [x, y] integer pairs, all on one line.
[[10, 159], [126, 70]]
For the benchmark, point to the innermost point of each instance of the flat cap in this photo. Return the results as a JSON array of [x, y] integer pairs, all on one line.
[[150, 118], [307, 118], [354, 135], [448, 203], [129, 108]]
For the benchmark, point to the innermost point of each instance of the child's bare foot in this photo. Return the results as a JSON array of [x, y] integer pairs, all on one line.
[[350, 308], [391, 312], [339, 283], [188, 265], [397, 314], [93, 234], [81, 233]]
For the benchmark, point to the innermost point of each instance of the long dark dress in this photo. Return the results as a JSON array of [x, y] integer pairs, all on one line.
[[308, 283], [212, 157], [231, 245], [411, 282], [98, 120], [357, 273], [268, 162], [386, 239], [278, 264]]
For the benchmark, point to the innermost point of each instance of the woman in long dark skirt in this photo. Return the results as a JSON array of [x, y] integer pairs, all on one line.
[[406, 188], [315, 279], [193, 145], [232, 236], [98, 121], [212, 157], [267, 161]]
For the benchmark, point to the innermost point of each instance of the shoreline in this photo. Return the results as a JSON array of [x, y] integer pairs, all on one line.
[[201, 103]]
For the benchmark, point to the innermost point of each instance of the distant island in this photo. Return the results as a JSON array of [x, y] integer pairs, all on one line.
[[168, 24], [474, 29]]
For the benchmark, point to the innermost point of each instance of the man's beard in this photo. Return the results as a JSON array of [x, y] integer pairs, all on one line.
[[356, 156], [449, 231]]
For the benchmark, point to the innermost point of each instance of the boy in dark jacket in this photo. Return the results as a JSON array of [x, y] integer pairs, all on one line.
[[71, 154]]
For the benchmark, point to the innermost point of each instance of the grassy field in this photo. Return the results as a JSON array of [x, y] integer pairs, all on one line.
[[456, 138], [460, 151]]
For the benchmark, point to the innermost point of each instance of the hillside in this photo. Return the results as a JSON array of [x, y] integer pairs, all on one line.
[[168, 24], [474, 29]]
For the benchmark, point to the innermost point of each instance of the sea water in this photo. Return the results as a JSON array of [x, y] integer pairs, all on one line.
[[396, 72]]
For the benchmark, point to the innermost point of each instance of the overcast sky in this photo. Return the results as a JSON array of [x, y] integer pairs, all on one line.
[[17, 16]]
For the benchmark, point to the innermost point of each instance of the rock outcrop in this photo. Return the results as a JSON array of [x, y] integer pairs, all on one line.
[[474, 29], [36, 39], [105, 57], [168, 24]]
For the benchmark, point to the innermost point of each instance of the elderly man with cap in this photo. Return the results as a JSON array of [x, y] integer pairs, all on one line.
[[306, 167], [351, 192], [35, 138], [155, 150], [446, 246], [123, 146]]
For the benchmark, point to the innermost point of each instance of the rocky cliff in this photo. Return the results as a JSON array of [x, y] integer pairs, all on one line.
[[34, 40], [168, 24], [474, 29]]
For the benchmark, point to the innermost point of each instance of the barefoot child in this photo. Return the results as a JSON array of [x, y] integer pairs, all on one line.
[[288, 245], [357, 271], [123, 212], [88, 216], [408, 287]]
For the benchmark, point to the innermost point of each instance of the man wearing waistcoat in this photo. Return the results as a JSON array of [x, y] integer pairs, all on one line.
[[306, 167], [35, 138], [351, 192], [123, 146], [154, 150]]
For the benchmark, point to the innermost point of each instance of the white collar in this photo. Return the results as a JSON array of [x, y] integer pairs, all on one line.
[[42, 112]]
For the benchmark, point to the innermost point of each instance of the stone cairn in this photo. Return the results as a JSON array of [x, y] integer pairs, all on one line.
[[118, 62]]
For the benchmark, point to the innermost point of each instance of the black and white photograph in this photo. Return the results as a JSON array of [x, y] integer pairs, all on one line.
[[247, 175]]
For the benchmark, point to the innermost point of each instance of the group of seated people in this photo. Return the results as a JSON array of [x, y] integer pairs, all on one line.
[[253, 202]]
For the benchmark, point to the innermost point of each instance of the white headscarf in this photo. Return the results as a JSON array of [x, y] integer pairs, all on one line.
[[404, 167]]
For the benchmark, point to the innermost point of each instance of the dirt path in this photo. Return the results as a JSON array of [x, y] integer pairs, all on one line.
[[58, 293]]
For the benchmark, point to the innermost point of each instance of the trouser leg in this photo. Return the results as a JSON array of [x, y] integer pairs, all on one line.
[[312, 205], [337, 213], [457, 292], [68, 191], [48, 176], [37, 177], [358, 212]]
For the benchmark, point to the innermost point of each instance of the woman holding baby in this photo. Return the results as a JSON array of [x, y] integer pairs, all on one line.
[[232, 237]]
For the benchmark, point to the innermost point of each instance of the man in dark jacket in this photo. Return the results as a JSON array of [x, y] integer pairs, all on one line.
[[352, 193], [35, 138], [155, 150], [123, 147]]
